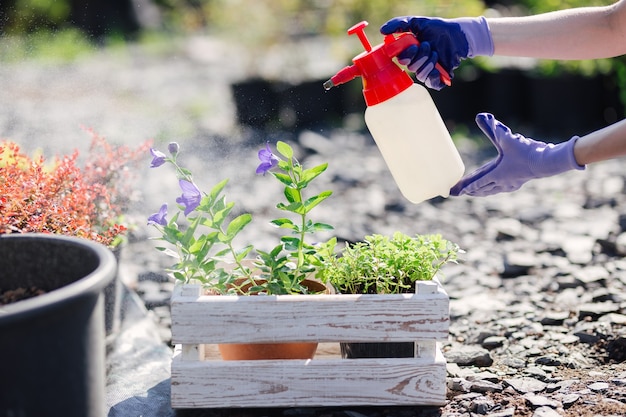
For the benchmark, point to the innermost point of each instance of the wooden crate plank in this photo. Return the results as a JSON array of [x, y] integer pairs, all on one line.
[[226, 384], [322, 318]]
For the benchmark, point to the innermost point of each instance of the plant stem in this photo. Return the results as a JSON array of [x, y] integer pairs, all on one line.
[[299, 188]]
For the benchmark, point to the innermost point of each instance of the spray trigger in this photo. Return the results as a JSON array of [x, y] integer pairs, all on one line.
[[396, 43]]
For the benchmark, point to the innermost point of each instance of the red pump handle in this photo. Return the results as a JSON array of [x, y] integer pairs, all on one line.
[[359, 30]]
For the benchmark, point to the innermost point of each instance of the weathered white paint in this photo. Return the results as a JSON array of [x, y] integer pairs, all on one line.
[[200, 321], [296, 383]]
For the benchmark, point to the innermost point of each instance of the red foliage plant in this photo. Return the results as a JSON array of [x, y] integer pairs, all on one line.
[[63, 198]]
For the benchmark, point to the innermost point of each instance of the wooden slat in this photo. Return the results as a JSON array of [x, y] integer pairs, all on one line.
[[322, 318], [294, 383], [199, 380]]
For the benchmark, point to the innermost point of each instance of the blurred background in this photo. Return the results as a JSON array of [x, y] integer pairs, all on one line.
[[276, 53]]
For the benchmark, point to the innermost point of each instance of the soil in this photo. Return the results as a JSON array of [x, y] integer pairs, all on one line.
[[19, 294]]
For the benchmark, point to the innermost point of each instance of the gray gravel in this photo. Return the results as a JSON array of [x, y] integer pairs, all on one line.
[[537, 303]]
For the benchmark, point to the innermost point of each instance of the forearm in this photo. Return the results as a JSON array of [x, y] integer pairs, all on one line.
[[579, 33], [603, 144]]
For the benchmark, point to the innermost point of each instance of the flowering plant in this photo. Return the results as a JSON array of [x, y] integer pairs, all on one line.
[[206, 245], [64, 198]]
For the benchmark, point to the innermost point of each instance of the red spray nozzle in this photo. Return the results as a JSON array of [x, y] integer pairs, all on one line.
[[346, 74]]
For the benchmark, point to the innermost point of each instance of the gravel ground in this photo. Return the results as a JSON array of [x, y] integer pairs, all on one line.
[[537, 302]]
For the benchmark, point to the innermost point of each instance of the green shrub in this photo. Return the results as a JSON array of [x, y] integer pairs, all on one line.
[[387, 265]]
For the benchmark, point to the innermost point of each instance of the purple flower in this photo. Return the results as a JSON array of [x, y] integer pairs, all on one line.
[[173, 148], [159, 218], [158, 158], [191, 196], [268, 160]]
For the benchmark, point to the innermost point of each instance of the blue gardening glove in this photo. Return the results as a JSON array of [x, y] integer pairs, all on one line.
[[446, 41], [519, 160]]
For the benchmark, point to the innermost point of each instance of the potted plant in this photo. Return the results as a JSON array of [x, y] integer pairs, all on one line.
[[202, 239], [52, 324], [65, 198], [386, 265], [231, 293]]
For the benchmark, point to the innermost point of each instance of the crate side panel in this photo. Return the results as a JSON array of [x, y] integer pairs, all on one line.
[[322, 318], [227, 384]]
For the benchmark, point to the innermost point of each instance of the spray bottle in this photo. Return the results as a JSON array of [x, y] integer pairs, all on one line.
[[403, 119]]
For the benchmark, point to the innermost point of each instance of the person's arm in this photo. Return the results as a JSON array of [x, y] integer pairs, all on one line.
[[521, 159], [578, 33], [603, 144]]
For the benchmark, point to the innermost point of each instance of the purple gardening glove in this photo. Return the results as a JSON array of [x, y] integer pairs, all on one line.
[[519, 160], [446, 41]]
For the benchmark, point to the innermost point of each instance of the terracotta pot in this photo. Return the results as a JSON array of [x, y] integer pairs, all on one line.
[[258, 351]]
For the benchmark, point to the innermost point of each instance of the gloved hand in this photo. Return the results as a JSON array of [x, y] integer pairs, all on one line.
[[446, 41], [519, 160]]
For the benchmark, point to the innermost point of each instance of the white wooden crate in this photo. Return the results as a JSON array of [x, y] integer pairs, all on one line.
[[200, 379]]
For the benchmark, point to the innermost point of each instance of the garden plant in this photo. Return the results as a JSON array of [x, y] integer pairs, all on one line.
[[205, 248], [65, 197]]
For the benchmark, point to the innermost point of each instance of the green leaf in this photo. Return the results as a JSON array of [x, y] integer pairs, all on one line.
[[243, 253], [223, 252], [208, 266], [277, 249], [205, 204], [179, 276], [206, 248], [220, 216], [293, 207], [319, 227], [291, 243], [197, 246], [284, 149], [171, 234], [219, 204], [187, 238], [315, 200], [237, 224], [207, 223], [284, 178], [217, 189], [292, 195], [174, 219], [310, 174], [283, 223]]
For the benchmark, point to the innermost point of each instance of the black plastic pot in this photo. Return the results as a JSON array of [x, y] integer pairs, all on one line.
[[53, 349], [256, 101], [377, 350], [112, 302]]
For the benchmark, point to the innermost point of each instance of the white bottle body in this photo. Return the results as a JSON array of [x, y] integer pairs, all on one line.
[[415, 144]]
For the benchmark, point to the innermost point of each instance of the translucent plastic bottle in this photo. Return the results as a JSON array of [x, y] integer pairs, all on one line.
[[403, 120]]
